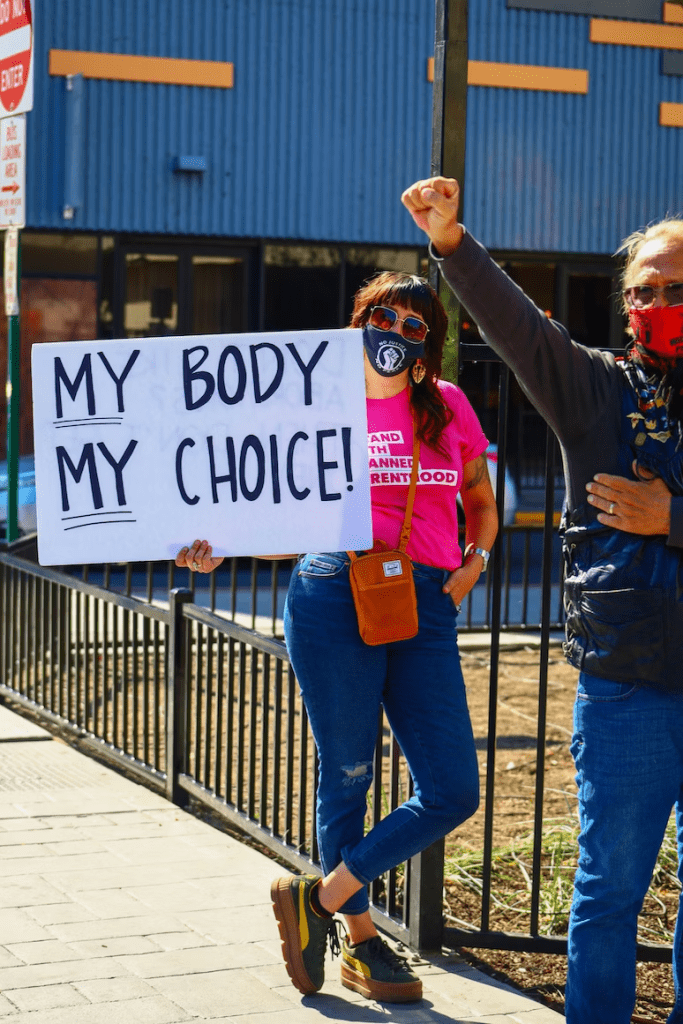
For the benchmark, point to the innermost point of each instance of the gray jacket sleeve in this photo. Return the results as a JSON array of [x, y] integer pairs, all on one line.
[[568, 383]]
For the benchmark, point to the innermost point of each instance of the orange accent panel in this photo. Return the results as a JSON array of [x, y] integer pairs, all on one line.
[[636, 33], [672, 13], [671, 115], [430, 69], [125, 68], [527, 76]]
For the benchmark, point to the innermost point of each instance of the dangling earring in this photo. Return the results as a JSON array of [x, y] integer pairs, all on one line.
[[418, 372]]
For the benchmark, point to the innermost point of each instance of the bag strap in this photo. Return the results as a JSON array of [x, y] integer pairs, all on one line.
[[405, 529]]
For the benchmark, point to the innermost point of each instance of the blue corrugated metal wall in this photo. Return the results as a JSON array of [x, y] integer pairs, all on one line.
[[565, 172], [330, 118]]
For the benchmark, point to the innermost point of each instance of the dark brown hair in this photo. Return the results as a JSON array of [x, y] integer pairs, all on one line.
[[432, 415]]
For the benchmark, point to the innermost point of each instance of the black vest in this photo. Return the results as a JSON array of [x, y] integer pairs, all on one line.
[[623, 593]]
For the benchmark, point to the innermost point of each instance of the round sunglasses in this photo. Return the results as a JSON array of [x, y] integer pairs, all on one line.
[[384, 318], [643, 295]]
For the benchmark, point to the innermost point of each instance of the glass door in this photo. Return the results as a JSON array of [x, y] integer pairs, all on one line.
[[151, 290], [150, 307], [218, 294]]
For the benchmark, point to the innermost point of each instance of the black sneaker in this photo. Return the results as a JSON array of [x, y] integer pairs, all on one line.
[[377, 972], [303, 931]]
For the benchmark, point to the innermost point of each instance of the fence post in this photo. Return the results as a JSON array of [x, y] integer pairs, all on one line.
[[425, 908], [176, 695]]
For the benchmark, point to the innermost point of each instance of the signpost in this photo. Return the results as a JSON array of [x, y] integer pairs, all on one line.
[[13, 171], [16, 57], [16, 97]]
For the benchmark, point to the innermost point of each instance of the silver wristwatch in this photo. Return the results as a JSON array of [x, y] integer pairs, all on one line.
[[471, 550]]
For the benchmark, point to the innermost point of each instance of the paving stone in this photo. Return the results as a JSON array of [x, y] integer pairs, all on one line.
[[249, 892], [163, 812], [6, 1007], [220, 993], [175, 899], [158, 851], [111, 903], [17, 925], [42, 805], [57, 973], [477, 992], [194, 961], [60, 820], [12, 822], [274, 975], [15, 727], [42, 862], [28, 890], [141, 829], [7, 960], [42, 834], [114, 927], [110, 990], [46, 952], [334, 1006], [538, 1015], [131, 876], [234, 924], [60, 913], [47, 997], [152, 1010], [128, 945], [180, 940], [64, 848]]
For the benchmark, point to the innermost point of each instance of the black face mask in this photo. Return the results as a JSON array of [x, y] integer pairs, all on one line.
[[389, 353]]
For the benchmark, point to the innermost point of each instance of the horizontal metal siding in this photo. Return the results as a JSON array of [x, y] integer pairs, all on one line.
[[329, 118], [572, 173]]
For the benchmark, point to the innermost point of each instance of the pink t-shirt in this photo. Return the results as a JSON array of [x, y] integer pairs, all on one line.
[[434, 533]]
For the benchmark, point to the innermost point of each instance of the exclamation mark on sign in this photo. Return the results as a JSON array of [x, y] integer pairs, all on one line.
[[346, 442]]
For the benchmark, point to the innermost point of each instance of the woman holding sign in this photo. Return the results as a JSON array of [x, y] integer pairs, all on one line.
[[344, 679]]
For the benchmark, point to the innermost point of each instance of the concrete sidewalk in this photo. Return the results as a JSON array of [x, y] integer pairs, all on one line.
[[116, 906]]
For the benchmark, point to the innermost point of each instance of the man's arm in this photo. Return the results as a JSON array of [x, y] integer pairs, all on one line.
[[569, 384]]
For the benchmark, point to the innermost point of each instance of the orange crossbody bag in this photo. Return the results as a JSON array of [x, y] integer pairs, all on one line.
[[382, 582]]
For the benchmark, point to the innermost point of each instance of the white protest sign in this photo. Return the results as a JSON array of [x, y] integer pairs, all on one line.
[[256, 443]]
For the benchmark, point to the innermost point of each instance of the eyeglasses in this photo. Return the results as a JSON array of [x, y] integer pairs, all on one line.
[[384, 318], [643, 295]]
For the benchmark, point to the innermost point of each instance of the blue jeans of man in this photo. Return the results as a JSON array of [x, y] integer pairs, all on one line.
[[344, 682], [628, 750]]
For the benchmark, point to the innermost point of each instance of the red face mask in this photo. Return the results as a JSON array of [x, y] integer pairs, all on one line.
[[659, 329]]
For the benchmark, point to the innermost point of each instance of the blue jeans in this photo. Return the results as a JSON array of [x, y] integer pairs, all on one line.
[[344, 682], [628, 750]]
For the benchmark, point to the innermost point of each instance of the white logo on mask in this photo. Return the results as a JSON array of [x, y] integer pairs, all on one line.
[[388, 357]]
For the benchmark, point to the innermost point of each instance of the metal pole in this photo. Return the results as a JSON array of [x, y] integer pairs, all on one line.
[[449, 116], [13, 395], [448, 158]]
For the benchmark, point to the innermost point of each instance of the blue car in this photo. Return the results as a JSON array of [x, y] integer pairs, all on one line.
[[27, 493]]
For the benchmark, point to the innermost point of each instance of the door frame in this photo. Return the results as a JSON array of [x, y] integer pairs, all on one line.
[[184, 250]]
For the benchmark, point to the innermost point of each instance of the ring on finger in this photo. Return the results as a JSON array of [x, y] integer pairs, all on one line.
[[195, 566], [611, 508]]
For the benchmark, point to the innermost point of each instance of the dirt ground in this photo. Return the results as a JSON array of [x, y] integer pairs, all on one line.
[[514, 755], [515, 794]]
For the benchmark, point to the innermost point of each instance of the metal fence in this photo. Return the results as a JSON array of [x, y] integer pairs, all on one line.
[[177, 686]]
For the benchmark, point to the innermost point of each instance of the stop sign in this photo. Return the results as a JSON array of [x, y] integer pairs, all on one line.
[[16, 48]]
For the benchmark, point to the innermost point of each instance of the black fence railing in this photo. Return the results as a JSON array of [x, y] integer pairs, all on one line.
[[191, 690]]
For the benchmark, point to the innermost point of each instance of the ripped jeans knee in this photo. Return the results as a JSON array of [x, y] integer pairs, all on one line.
[[360, 772]]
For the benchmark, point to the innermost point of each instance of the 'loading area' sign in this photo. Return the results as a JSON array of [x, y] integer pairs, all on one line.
[[257, 443]]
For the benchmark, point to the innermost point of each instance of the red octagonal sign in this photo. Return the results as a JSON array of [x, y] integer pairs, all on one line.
[[16, 44]]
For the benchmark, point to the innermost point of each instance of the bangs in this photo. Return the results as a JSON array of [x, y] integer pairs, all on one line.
[[412, 292]]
